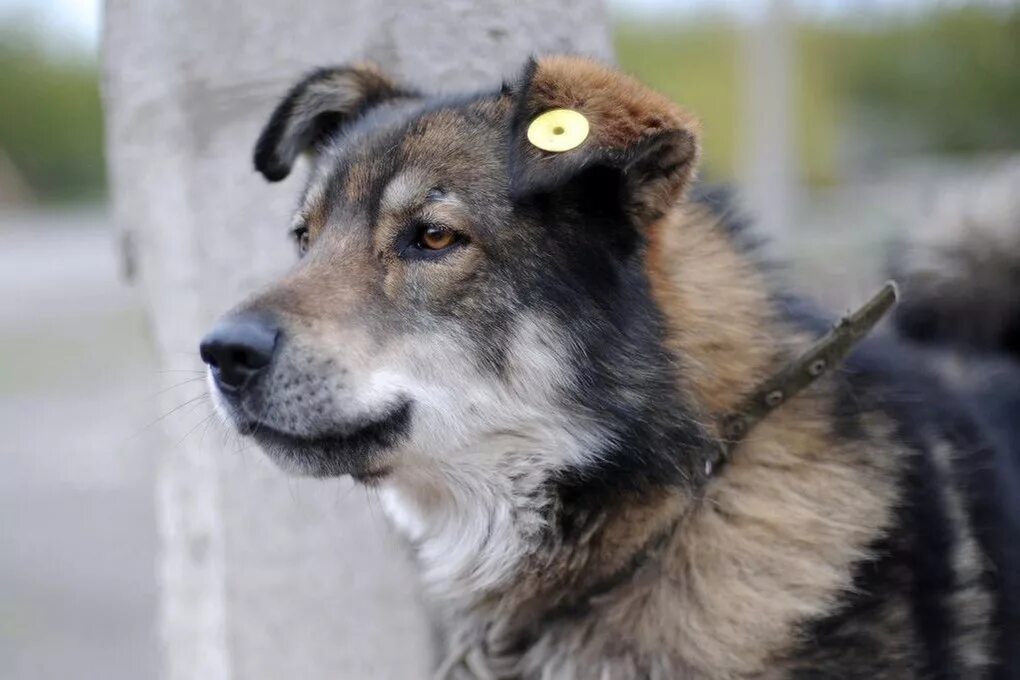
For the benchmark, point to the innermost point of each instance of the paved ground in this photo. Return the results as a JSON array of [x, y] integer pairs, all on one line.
[[77, 532]]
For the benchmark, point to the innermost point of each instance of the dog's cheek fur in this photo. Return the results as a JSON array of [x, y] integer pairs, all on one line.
[[469, 486]]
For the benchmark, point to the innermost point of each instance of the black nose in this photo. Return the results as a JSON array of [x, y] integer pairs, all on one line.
[[238, 348]]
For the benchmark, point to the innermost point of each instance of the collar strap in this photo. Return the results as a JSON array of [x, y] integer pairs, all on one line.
[[824, 355]]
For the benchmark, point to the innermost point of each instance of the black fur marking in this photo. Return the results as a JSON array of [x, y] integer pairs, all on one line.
[[342, 452], [594, 283], [277, 147]]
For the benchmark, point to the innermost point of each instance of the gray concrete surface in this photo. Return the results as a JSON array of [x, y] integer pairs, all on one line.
[[77, 525]]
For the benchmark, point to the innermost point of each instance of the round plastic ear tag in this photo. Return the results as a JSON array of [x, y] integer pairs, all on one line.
[[558, 130]]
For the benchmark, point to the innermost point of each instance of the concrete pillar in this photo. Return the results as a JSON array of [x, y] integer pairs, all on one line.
[[769, 173], [264, 576]]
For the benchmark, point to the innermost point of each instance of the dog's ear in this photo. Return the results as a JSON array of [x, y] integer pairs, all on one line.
[[648, 143], [319, 105]]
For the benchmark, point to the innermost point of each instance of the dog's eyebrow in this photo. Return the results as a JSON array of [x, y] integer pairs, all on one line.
[[406, 190]]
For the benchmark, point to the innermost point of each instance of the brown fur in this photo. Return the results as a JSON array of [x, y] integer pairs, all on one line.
[[746, 546], [620, 110], [653, 140]]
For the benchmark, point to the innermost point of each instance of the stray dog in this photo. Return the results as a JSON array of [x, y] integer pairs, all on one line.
[[511, 320]]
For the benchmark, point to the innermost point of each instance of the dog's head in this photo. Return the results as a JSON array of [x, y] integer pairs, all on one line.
[[462, 295]]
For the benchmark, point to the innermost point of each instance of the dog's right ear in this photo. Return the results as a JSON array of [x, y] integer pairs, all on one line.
[[316, 108], [614, 126]]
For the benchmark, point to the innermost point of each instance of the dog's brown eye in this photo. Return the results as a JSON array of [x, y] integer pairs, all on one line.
[[429, 241], [434, 237]]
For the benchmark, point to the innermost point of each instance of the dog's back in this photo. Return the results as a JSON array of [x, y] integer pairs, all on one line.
[[961, 317]]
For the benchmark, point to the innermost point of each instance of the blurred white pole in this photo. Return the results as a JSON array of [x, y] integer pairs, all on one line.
[[263, 576], [770, 172]]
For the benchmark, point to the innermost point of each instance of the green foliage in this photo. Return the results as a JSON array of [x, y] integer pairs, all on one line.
[[944, 81], [699, 66], [51, 124], [952, 75]]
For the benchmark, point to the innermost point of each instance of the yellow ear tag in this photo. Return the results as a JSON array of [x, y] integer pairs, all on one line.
[[558, 130]]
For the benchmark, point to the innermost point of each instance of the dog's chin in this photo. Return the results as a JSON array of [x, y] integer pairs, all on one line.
[[358, 450]]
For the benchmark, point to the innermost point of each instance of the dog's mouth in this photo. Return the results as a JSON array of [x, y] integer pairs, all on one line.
[[354, 450]]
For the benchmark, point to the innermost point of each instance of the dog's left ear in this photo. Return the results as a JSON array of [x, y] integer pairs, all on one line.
[[318, 107], [648, 142]]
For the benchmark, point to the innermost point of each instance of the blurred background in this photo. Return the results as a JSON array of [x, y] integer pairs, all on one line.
[[844, 124]]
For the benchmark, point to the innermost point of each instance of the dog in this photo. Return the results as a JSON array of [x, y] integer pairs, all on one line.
[[514, 319]]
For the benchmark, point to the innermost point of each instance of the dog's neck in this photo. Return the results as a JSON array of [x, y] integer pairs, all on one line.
[[509, 535], [722, 321], [531, 582], [516, 552], [475, 520], [484, 528], [502, 552]]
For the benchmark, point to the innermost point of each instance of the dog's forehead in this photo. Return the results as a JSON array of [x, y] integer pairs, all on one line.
[[412, 148]]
